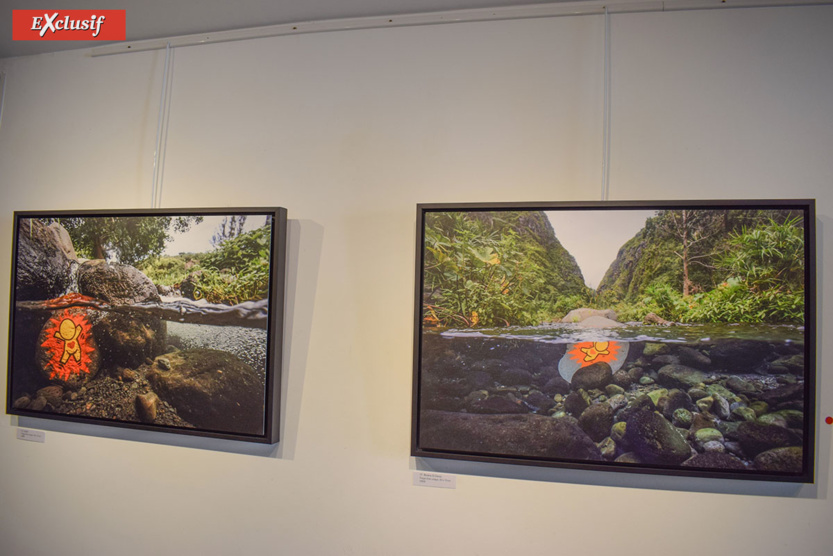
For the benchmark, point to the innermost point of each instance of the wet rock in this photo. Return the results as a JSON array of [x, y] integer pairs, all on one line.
[[523, 435], [599, 322], [640, 402], [608, 448], [655, 440], [680, 376], [793, 364], [773, 419], [67, 352], [556, 385], [635, 373], [617, 402], [653, 318], [514, 376], [213, 390], [622, 379], [677, 399], [498, 404], [629, 457], [655, 348], [740, 386], [693, 358], [117, 284], [147, 406], [705, 435], [617, 433], [755, 437], [657, 395], [53, 394], [782, 394], [744, 414], [662, 360], [539, 403], [44, 261], [596, 421], [713, 446], [577, 402], [697, 393], [720, 407], [715, 460], [781, 460], [38, 404], [130, 340], [738, 356], [614, 390], [705, 404], [22, 402], [129, 375], [579, 315], [793, 417], [645, 380], [759, 407], [702, 421], [681, 418], [597, 375]]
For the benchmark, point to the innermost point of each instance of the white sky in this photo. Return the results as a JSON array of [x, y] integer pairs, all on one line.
[[594, 237], [198, 238]]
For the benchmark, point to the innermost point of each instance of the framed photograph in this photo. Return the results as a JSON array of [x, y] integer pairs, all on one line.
[[673, 337], [165, 320]]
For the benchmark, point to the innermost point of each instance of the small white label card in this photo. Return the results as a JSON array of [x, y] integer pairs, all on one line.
[[31, 435], [436, 480]]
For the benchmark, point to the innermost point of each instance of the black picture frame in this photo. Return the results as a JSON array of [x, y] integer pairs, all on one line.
[[196, 350], [492, 386]]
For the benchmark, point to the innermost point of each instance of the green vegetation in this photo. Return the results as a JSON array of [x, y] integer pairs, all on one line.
[[507, 268], [496, 269], [124, 239], [727, 266], [236, 271]]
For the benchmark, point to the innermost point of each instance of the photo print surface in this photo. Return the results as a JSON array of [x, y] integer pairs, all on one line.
[[672, 338], [164, 320]]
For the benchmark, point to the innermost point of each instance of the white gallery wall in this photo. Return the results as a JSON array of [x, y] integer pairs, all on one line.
[[349, 131]]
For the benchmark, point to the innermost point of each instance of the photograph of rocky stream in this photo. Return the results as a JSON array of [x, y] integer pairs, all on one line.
[[154, 320], [667, 339]]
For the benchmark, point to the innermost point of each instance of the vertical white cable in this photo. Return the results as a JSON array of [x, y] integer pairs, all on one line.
[[606, 112], [156, 191], [2, 94]]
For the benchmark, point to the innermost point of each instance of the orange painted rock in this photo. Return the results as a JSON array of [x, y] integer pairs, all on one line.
[[66, 350]]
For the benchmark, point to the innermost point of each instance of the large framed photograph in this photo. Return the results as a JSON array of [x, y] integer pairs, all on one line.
[[166, 320], [654, 337]]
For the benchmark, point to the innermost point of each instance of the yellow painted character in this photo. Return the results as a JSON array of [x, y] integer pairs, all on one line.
[[69, 332], [597, 349]]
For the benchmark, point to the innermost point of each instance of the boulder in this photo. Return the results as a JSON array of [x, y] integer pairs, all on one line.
[[738, 356], [66, 350], [655, 440], [212, 390], [117, 284], [781, 460], [498, 404], [600, 322], [715, 460], [598, 375], [127, 341], [44, 260], [579, 315], [596, 421], [693, 357], [755, 437], [680, 376], [522, 435]]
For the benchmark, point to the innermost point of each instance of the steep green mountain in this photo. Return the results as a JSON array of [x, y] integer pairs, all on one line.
[[496, 268], [711, 265]]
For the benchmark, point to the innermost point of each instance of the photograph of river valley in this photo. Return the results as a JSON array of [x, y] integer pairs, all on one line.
[[667, 338], [156, 320]]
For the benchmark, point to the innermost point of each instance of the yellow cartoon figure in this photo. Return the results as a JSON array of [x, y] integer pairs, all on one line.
[[69, 332], [590, 353]]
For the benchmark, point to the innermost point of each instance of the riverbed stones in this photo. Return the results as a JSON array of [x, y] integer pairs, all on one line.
[[693, 357], [147, 406], [655, 440], [577, 402], [715, 460], [738, 356], [128, 340], [524, 435], [212, 390]]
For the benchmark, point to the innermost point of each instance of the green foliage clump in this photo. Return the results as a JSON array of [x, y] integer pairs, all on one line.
[[495, 269]]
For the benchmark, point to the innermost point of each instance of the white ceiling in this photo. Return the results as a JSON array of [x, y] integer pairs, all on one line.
[[150, 19]]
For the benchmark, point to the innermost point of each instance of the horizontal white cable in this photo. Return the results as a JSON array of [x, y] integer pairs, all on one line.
[[558, 9]]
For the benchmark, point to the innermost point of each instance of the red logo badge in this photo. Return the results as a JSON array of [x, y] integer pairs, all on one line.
[[69, 25]]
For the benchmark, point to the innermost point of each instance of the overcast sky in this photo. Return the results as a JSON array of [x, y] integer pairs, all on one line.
[[594, 237], [198, 238]]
